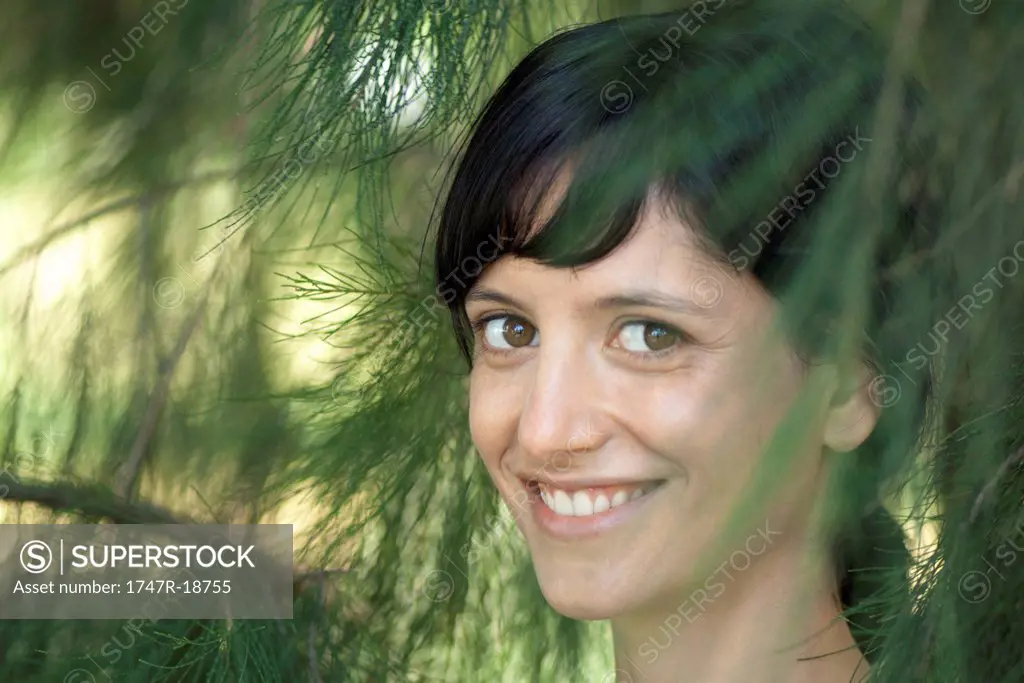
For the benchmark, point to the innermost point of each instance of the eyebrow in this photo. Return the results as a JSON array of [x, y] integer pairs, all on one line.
[[635, 297]]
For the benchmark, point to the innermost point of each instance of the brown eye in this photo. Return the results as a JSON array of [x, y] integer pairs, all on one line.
[[645, 337], [509, 332], [659, 337]]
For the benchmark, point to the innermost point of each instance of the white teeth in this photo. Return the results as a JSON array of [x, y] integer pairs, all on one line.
[[563, 504], [582, 505]]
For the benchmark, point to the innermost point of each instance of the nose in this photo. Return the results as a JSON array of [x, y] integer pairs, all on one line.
[[562, 417]]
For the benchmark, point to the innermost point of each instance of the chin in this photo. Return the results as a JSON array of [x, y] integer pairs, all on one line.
[[582, 605], [587, 598]]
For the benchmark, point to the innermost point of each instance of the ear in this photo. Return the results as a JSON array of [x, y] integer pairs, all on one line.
[[853, 412]]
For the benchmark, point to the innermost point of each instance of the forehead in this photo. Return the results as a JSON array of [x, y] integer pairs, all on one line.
[[660, 215], [663, 251]]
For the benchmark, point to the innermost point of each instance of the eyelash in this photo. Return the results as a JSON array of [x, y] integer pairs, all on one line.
[[643, 356]]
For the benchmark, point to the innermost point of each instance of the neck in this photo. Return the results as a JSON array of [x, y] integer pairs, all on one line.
[[775, 621]]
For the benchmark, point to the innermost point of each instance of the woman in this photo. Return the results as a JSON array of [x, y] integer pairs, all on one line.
[[678, 353]]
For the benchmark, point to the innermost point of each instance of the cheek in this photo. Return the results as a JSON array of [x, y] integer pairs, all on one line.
[[492, 414], [759, 440], [699, 419], [716, 423]]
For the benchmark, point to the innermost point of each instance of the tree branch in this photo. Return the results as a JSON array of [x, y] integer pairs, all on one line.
[[156, 192], [986, 491], [91, 500], [129, 471]]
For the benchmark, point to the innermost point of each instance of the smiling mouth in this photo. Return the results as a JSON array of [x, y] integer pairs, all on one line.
[[586, 502]]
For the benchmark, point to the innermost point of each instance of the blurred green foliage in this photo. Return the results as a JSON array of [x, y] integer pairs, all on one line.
[[211, 216]]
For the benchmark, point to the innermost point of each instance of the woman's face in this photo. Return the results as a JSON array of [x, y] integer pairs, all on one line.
[[621, 410]]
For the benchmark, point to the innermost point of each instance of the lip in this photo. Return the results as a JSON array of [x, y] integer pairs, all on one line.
[[577, 528], [580, 484]]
